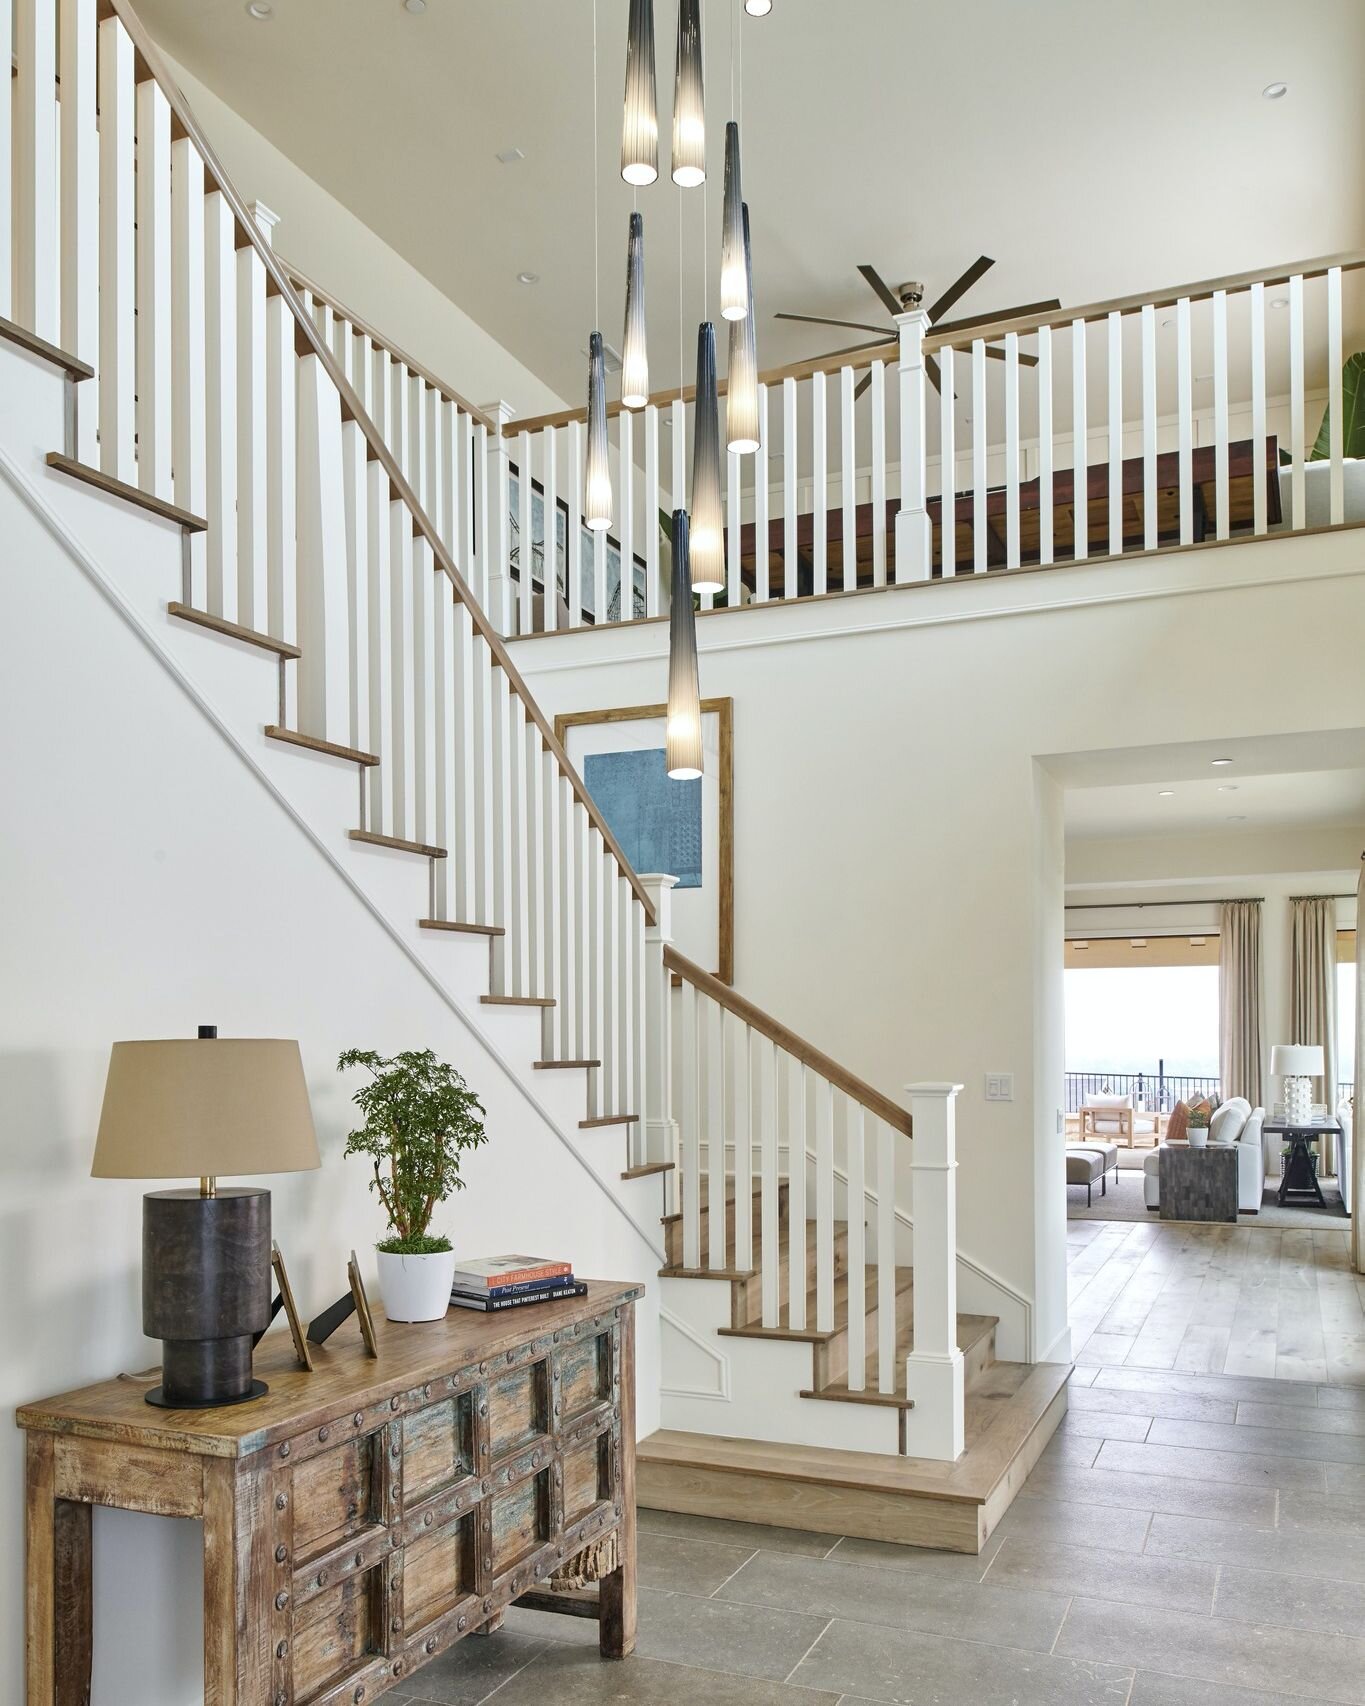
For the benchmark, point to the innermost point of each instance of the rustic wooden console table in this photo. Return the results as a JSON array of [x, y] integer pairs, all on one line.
[[360, 1519]]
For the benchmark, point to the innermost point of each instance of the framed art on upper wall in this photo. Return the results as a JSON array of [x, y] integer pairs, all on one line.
[[686, 829], [589, 544]]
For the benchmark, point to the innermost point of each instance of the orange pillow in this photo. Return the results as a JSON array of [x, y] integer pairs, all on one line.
[[1177, 1124]]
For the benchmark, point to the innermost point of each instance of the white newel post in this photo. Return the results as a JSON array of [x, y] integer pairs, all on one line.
[[914, 547], [501, 592], [661, 1129], [934, 1369]]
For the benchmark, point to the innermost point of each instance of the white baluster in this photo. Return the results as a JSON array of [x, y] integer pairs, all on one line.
[[848, 477], [934, 1368], [1011, 450], [653, 583], [445, 830], [710, 1029], [979, 468], [798, 1084], [878, 402], [35, 284], [1115, 376], [790, 506], [690, 1184], [1336, 476], [153, 196], [477, 517], [7, 206], [947, 438], [538, 982], [323, 637], [626, 513], [424, 689], [496, 513], [625, 1000], [640, 1087], [819, 478], [574, 543], [660, 1128], [80, 196], [526, 554], [551, 466], [252, 459], [357, 521], [465, 811], [888, 1374], [36, 292], [446, 431], [573, 940], [220, 391], [379, 777], [1185, 413], [402, 635], [1260, 518], [1080, 453], [485, 795], [281, 411], [187, 343], [551, 902], [504, 893], [1150, 520], [734, 529], [1298, 513], [765, 1075], [1046, 523], [857, 1253], [741, 1123], [1222, 494], [822, 1093], [519, 937], [603, 1042], [599, 576], [437, 482], [913, 539]]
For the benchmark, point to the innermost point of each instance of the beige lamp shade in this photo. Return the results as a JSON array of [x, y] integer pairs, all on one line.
[[1297, 1060], [194, 1108]]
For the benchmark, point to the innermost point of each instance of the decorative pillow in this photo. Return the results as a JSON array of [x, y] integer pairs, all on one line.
[[1177, 1125], [1228, 1119], [1109, 1101]]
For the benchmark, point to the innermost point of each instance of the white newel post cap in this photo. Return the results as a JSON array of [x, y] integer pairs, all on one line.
[[944, 1092], [267, 219], [659, 886], [500, 411]]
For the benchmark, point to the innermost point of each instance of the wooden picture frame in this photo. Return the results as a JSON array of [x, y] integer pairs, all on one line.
[[724, 711], [362, 1306], [297, 1331]]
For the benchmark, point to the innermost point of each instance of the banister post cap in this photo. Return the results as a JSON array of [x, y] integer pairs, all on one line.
[[945, 1092], [267, 219], [656, 880], [502, 412]]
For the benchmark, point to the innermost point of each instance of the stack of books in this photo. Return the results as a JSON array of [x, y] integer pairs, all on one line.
[[506, 1282]]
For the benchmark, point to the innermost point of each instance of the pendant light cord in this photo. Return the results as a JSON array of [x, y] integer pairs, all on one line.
[[596, 221]]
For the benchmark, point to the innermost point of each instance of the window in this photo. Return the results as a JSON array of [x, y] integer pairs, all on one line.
[[1159, 1022]]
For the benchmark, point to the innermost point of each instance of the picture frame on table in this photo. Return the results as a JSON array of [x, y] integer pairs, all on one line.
[[684, 828]]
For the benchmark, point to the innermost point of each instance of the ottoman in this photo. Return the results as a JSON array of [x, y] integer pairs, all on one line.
[[1089, 1164]]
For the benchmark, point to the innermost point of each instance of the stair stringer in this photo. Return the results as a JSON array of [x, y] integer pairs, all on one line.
[[225, 681]]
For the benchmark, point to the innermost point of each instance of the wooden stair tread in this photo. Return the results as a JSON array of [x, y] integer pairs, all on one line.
[[22, 338], [313, 743], [232, 630], [971, 1329], [973, 1478], [704, 1198], [649, 1168], [754, 1328], [460, 928], [517, 1000], [372, 839], [130, 494], [608, 1119], [561, 1065]]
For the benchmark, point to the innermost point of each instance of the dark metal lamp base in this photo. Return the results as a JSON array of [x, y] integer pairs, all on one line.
[[157, 1396]]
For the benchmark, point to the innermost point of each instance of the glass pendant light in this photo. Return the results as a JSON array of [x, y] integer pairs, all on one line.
[[741, 385], [597, 481], [640, 127], [682, 726], [708, 521], [734, 273], [635, 359], [758, 8], [689, 100]]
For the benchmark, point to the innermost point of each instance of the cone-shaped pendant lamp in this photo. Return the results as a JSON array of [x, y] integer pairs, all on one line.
[[734, 271], [597, 480], [758, 8], [742, 432], [708, 521], [640, 126], [635, 357], [682, 726], [689, 100]]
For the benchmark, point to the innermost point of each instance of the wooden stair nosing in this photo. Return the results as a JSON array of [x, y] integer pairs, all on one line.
[[754, 1329], [130, 494], [562, 1066], [517, 1000], [372, 839], [649, 1168], [709, 1273], [23, 339], [315, 743], [971, 1329], [608, 1119], [460, 928], [232, 630]]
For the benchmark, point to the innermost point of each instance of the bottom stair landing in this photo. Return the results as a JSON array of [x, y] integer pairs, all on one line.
[[1012, 1411]]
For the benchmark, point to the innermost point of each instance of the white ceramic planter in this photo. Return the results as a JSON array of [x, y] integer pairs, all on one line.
[[1198, 1136], [416, 1288]]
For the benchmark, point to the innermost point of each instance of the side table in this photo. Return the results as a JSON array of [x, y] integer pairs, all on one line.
[[1198, 1184]]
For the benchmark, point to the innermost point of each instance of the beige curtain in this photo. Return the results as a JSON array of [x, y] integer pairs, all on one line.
[[1313, 997], [1240, 1042], [1357, 1147]]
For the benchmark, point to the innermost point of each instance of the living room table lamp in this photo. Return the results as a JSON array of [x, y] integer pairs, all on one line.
[[203, 1109], [1298, 1064]]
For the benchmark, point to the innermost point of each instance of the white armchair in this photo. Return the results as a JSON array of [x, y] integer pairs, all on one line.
[[1117, 1119], [1346, 1118]]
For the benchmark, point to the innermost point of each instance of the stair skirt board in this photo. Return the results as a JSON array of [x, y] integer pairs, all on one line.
[[905, 1500]]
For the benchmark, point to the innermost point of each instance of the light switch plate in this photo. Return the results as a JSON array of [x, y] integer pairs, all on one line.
[[999, 1086]]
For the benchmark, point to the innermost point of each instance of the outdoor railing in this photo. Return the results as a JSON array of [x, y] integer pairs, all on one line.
[[1157, 1091]]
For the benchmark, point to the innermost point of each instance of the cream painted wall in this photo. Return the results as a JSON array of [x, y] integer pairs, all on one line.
[[899, 865], [321, 236]]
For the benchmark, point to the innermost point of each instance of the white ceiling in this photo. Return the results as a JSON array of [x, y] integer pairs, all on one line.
[[1093, 150]]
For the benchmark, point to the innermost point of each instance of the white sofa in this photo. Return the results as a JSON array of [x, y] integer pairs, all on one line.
[[1345, 1114], [1234, 1122]]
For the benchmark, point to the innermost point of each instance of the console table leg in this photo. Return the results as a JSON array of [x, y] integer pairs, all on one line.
[[616, 1626], [58, 1572], [241, 1576]]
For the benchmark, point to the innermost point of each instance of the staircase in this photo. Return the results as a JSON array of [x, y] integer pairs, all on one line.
[[282, 505]]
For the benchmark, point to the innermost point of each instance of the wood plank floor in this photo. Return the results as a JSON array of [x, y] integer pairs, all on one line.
[[1201, 1299]]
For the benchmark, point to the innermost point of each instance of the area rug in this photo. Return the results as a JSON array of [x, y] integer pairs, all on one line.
[[1124, 1201]]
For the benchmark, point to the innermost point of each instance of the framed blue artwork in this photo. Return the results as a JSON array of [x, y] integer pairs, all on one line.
[[685, 829], [657, 821]]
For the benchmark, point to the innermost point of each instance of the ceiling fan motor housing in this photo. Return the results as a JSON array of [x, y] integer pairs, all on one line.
[[911, 294]]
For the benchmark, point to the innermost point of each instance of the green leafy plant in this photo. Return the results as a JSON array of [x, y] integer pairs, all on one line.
[[420, 1119], [1199, 1119], [1352, 413]]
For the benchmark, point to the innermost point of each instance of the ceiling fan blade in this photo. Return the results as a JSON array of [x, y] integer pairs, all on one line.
[[979, 267], [853, 349], [861, 386], [995, 353], [1018, 313], [935, 372], [819, 320], [885, 295]]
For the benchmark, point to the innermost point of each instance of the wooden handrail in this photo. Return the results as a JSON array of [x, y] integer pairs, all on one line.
[[996, 329], [661, 399], [301, 281], [309, 341], [775, 1031]]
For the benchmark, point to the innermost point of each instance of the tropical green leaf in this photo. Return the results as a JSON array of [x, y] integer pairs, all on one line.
[[1352, 413]]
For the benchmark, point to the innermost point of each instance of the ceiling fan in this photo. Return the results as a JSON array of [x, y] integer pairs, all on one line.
[[910, 296]]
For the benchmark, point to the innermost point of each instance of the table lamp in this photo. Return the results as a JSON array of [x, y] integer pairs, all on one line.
[[1298, 1064], [203, 1108]]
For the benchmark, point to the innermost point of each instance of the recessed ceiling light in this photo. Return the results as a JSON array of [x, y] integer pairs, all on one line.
[[260, 10], [528, 278], [1220, 761], [508, 155], [1137, 941], [1239, 817], [415, 6], [1279, 302], [1275, 91], [1165, 793], [1196, 941], [1080, 947], [1227, 787]]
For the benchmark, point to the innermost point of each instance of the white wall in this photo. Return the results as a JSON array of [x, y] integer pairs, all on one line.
[[899, 868], [343, 256], [149, 882]]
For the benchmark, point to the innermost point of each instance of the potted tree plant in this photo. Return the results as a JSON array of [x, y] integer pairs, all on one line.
[[1197, 1131], [420, 1119]]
